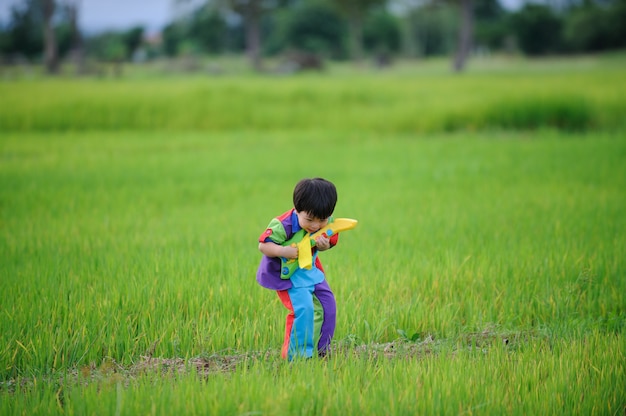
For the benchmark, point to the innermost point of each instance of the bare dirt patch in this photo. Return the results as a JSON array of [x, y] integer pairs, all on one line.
[[224, 362]]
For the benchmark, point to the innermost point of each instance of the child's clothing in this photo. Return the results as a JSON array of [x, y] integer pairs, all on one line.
[[305, 293]]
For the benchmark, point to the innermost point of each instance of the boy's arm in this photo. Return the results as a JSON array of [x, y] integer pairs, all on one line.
[[270, 242], [271, 249]]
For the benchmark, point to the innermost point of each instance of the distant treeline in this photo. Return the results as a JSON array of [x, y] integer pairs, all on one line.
[[347, 29]]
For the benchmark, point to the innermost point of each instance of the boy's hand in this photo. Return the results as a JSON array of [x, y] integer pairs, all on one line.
[[290, 252], [322, 242]]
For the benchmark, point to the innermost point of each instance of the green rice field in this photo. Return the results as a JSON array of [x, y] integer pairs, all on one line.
[[487, 274]]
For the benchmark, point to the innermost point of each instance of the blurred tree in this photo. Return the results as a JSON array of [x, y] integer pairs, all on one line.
[[382, 33], [24, 35], [76, 38], [538, 29], [115, 46], [404, 10], [208, 29], [251, 11], [465, 34], [4, 41], [488, 10], [110, 47], [63, 33], [173, 35], [132, 40], [51, 56], [39, 28], [583, 33], [355, 12], [276, 40], [618, 17], [315, 27], [433, 27], [114, 49], [436, 27], [254, 16], [114, 52], [203, 30], [491, 29]]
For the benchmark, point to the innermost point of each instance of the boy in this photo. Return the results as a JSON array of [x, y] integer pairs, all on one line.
[[305, 293]]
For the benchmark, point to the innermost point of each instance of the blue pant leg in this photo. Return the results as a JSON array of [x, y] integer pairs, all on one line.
[[302, 332], [329, 307]]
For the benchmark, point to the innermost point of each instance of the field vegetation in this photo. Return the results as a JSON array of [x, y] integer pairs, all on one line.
[[486, 275]]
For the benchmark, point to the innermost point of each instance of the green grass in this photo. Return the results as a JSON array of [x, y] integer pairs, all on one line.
[[423, 100], [485, 276], [574, 377]]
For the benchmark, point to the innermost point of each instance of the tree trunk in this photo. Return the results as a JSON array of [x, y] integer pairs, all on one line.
[[78, 54], [409, 44], [466, 33], [51, 58], [356, 38], [253, 34]]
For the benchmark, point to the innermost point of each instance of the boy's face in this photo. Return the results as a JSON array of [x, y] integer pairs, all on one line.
[[310, 223]]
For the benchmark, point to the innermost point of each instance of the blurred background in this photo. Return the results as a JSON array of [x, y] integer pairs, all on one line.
[[83, 37]]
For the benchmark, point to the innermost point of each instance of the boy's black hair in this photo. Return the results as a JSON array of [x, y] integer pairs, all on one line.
[[316, 196]]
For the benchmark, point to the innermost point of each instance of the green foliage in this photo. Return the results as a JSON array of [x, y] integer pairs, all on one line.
[[207, 28], [276, 40], [583, 33], [64, 38], [132, 39], [382, 33], [434, 29], [115, 46], [490, 25], [329, 27], [538, 29], [492, 34], [563, 112], [204, 31], [488, 10], [172, 34], [24, 34], [315, 27], [107, 46], [357, 8]]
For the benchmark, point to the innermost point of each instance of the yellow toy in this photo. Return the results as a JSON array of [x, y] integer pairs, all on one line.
[[305, 258]]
